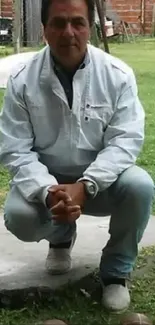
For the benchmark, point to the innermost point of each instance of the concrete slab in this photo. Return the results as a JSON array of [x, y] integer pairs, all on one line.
[[22, 264], [8, 63]]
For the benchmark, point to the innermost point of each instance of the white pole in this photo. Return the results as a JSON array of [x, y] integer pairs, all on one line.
[[17, 25]]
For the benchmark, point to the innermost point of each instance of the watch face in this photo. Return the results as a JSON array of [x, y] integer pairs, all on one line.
[[91, 189]]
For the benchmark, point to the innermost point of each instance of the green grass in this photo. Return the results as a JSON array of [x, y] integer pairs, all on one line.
[[140, 57], [8, 50], [4, 175], [71, 305]]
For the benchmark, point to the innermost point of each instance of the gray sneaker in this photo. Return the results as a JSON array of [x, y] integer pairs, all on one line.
[[116, 298], [59, 259]]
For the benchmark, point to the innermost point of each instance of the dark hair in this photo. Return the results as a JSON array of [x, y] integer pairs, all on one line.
[[46, 4]]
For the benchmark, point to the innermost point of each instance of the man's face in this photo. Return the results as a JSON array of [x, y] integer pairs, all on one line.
[[68, 30]]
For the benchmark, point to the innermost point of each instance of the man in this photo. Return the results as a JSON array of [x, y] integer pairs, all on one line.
[[72, 127]]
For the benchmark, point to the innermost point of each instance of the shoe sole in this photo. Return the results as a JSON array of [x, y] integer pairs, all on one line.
[[115, 312], [59, 272]]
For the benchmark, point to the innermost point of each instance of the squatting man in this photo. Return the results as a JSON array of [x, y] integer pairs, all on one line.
[[72, 127]]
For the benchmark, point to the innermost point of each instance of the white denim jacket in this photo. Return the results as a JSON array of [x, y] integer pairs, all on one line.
[[97, 139]]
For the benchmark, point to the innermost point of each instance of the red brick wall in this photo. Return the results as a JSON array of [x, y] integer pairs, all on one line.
[[130, 11], [6, 8]]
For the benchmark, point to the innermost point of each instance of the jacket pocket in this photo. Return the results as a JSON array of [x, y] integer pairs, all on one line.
[[93, 119]]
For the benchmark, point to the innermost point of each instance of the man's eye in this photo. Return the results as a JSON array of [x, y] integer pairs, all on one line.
[[78, 22], [58, 23], [61, 23]]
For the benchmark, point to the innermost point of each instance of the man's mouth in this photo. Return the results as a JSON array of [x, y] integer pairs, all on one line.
[[68, 45]]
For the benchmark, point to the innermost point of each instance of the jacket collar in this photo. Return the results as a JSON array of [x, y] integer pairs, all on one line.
[[48, 78], [84, 63]]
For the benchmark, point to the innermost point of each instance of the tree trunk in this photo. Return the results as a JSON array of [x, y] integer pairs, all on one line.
[[94, 37], [17, 25], [102, 24]]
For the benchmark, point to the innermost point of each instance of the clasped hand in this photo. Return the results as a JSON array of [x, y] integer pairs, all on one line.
[[66, 201]]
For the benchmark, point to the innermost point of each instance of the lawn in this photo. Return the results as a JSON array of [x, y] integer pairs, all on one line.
[[4, 176], [71, 305], [8, 50], [141, 57]]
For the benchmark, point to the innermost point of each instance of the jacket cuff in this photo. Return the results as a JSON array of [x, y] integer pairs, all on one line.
[[44, 195]]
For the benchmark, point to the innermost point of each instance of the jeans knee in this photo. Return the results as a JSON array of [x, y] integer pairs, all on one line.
[[21, 224], [137, 184]]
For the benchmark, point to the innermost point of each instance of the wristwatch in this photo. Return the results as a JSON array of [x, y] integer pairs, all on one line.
[[90, 189]]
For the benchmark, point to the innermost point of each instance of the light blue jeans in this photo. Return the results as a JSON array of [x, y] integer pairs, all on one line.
[[128, 201]]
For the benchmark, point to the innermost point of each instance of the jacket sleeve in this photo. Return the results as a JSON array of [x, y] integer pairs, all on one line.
[[123, 138], [16, 148]]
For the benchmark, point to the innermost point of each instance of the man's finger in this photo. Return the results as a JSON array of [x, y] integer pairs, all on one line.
[[74, 216], [67, 218], [60, 218], [71, 209], [56, 188], [60, 195], [58, 208]]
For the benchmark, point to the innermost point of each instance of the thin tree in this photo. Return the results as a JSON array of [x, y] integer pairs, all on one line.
[[17, 25], [101, 13]]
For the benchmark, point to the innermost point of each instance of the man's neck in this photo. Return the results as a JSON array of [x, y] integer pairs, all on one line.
[[70, 70]]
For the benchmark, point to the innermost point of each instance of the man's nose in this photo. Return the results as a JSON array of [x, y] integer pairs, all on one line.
[[68, 30]]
